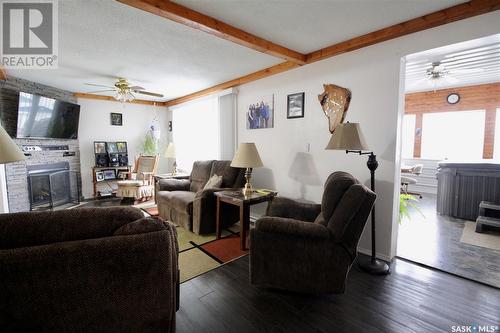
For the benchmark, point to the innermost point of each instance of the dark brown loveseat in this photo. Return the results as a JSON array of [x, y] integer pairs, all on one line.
[[310, 247], [185, 203], [87, 270]]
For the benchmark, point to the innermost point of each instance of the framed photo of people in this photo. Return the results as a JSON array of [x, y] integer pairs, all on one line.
[[260, 113]]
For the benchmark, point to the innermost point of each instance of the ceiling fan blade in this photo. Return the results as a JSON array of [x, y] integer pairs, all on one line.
[[137, 88], [100, 91], [148, 93], [99, 85]]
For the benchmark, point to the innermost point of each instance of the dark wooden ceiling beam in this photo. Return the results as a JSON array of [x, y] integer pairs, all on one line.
[[199, 21], [283, 67], [441, 17], [112, 99]]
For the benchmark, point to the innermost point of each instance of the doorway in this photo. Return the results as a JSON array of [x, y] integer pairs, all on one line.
[[451, 158]]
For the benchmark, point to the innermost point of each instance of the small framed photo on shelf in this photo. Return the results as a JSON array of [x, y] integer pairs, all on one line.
[[295, 105], [116, 119], [122, 174], [99, 176], [109, 174]]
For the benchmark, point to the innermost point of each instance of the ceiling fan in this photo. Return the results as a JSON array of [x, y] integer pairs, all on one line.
[[439, 72], [124, 92]]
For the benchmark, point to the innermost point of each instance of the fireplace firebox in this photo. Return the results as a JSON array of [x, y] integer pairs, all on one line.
[[52, 185]]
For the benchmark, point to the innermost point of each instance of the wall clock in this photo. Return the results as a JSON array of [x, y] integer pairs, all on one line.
[[453, 98]]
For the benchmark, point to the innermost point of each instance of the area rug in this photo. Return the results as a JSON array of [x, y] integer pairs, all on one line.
[[490, 240], [200, 254], [153, 211]]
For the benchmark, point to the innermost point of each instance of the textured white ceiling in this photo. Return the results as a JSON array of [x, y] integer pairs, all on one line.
[[100, 40], [468, 63], [309, 25]]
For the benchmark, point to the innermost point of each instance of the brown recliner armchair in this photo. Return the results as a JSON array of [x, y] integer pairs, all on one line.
[[185, 202], [309, 247], [87, 270]]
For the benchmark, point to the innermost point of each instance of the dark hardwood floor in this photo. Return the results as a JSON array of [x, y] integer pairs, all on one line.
[[411, 299]]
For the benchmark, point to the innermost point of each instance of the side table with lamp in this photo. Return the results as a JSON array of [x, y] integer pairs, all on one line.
[[348, 137], [246, 157]]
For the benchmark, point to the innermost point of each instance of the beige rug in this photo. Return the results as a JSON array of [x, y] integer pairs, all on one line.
[[487, 239]]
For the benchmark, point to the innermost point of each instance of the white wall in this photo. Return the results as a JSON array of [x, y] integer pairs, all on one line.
[[95, 126], [373, 75]]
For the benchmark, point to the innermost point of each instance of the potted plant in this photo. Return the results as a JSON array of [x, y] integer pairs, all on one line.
[[406, 203]]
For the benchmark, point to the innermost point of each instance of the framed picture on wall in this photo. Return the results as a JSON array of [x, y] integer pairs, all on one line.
[[260, 113], [116, 119], [295, 105]]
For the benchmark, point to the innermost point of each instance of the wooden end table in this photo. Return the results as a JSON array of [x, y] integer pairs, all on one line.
[[236, 198]]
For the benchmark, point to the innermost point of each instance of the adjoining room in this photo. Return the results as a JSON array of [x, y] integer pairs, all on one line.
[[450, 174]]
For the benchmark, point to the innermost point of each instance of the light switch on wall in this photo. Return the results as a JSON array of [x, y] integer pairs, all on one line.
[[308, 148]]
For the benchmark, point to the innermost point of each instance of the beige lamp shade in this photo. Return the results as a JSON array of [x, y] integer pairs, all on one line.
[[170, 151], [246, 156], [347, 136], [9, 151]]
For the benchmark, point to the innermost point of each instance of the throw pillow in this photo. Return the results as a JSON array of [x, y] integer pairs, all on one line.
[[140, 226], [214, 182]]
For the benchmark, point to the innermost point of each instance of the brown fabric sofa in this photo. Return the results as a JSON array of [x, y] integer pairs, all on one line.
[[310, 247], [87, 270], [185, 203]]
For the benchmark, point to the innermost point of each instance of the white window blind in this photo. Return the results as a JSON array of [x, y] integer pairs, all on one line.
[[195, 130]]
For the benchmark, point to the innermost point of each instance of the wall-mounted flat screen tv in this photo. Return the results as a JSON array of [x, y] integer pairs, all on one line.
[[46, 118]]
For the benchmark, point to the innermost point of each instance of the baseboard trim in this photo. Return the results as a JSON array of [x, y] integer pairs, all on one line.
[[379, 255]]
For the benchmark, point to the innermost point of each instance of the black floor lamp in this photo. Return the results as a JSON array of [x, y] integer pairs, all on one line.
[[348, 137]]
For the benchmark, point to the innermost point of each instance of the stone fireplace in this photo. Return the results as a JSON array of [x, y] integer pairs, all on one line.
[[21, 178], [52, 185]]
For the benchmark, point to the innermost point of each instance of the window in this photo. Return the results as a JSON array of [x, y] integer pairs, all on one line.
[[196, 132], [496, 145], [408, 140], [453, 135]]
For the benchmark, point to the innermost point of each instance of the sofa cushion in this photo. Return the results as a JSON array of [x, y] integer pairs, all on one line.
[[140, 226], [229, 174], [214, 182], [178, 200], [200, 175], [335, 187]]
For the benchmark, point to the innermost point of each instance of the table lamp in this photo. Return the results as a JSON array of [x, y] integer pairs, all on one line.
[[170, 153], [348, 137], [247, 157], [9, 151]]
